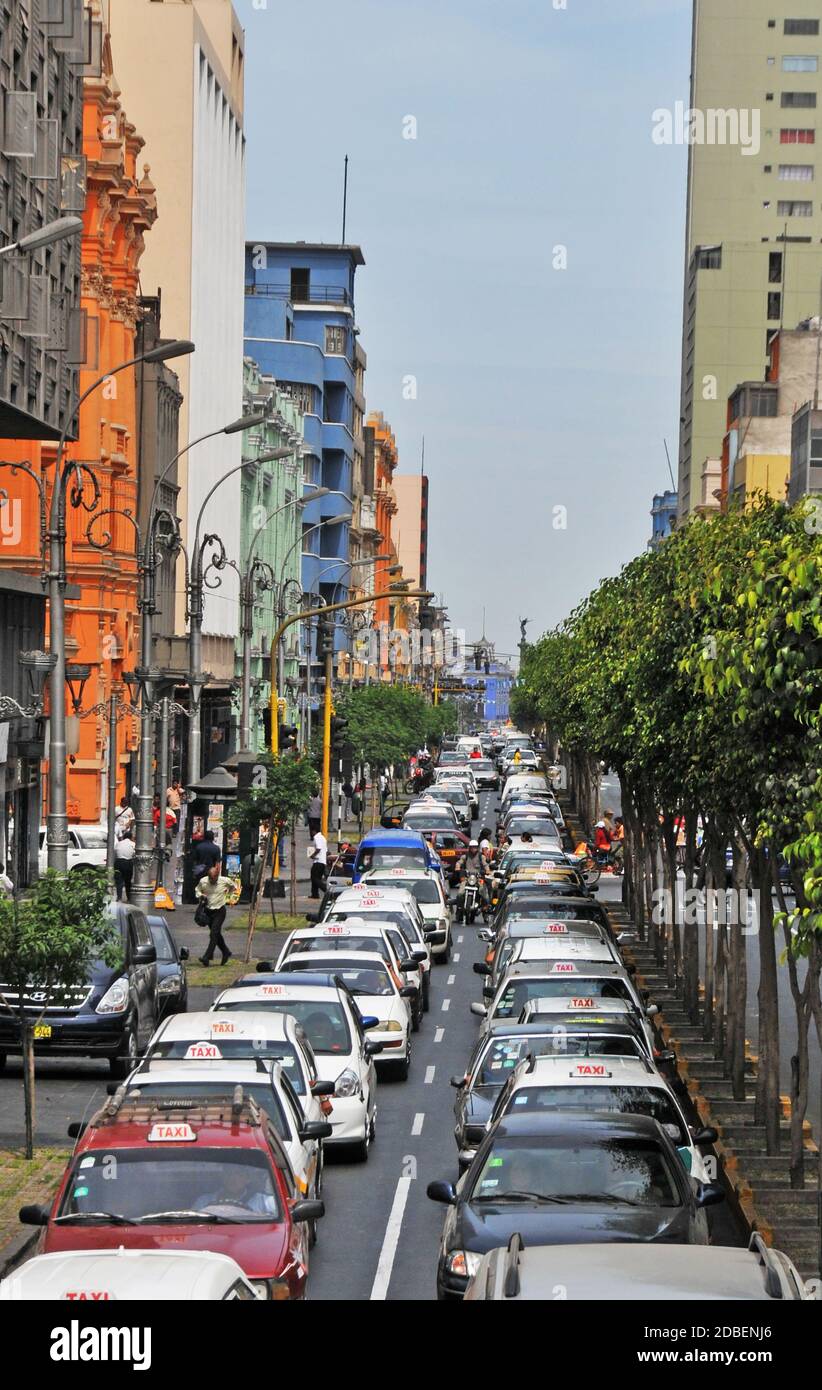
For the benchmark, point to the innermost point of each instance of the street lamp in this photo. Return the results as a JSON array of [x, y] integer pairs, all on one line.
[[58, 230]]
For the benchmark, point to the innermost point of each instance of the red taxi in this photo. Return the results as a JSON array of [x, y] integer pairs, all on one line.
[[184, 1175]]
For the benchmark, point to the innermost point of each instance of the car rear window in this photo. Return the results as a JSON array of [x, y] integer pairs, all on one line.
[[264, 1094], [391, 857], [267, 1048], [352, 942], [323, 1021], [361, 979], [624, 1100], [518, 991]]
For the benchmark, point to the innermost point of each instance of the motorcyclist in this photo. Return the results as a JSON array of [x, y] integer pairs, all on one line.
[[472, 862], [602, 839]]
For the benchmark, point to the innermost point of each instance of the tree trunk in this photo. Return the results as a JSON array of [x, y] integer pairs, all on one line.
[[27, 1034], [737, 978], [767, 1110], [292, 886], [256, 896], [799, 1065], [690, 929]]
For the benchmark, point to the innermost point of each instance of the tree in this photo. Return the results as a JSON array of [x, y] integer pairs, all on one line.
[[291, 782], [49, 939]]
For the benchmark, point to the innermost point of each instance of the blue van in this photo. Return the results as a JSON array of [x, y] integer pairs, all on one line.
[[394, 849]]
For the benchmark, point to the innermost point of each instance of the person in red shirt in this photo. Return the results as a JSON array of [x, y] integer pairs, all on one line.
[[602, 837]]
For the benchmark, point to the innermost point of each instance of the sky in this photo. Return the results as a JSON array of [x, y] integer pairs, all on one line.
[[546, 379]]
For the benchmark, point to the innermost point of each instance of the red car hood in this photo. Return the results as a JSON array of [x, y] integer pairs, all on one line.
[[260, 1250]]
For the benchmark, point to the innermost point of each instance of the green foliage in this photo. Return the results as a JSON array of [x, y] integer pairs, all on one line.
[[57, 930], [291, 782], [387, 723]]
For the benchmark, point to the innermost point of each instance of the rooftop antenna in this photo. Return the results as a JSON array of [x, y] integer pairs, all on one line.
[[670, 469], [345, 198], [422, 459]]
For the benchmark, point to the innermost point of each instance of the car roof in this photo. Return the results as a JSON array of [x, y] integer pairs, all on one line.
[[567, 1006], [564, 1071], [125, 1273], [532, 929], [566, 1124], [592, 970], [197, 1026], [400, 839], [640, 1272], [562, 947], [352, 926], [302, 984], [126, 1121], [366, 957]]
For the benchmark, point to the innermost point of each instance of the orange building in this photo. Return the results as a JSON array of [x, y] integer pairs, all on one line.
[[386, 459], [102, 627]]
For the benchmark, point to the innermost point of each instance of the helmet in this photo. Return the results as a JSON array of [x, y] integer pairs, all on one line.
[[473, 844], [600, 825]]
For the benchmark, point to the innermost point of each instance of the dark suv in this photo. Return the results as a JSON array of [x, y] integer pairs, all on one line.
[[112, 1015]]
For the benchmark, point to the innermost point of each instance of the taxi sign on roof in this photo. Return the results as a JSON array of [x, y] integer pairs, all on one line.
[[555, 929], [203, 1052], [335, 931], [223, 1026], [398, 873], [88, 1295], [563, 967], [277, 990], [590, 1069], [170, 1133], [587, 1003]]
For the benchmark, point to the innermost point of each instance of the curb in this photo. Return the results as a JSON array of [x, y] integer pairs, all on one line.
[[16, 1250]]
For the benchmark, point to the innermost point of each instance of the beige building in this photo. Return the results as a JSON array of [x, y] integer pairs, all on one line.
[[754, 213], [181, 67]]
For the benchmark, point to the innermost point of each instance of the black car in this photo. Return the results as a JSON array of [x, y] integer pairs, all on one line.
[[172, 984], [112, 1015], [531, 899], [560, 1179]]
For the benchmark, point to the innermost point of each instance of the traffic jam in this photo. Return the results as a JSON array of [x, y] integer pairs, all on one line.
[[252, 1150]]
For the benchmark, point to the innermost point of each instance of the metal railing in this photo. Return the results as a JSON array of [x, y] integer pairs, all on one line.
[[313, 294]]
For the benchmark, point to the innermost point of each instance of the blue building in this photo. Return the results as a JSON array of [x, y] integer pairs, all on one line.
[[498, 679], [663, 517], [300, 329]]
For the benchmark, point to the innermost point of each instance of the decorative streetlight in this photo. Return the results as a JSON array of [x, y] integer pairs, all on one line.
[[38, 664], [58, 230]]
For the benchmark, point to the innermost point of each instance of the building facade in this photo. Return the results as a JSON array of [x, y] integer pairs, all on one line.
[[102, 627], [753, 258], [23, 625], [41, 178], [663, 517], [411, 526], [182, 67]]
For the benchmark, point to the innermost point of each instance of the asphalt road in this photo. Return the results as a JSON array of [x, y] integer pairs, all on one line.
[[380, 1234]]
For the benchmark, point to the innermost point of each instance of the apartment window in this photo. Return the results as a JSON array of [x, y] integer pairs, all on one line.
[[335, 336], [801, 26], [774, 306], [799, 98], [771, 62], [303, 395], [801, 173], [300, 284], [806, 63], [775, 268], [709, 258], [795, 209], [794, 136], [768, 169]]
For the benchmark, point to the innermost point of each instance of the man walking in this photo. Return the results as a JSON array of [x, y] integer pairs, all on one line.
[[124, 820], [319, 861], [124, 864], [217, 889]]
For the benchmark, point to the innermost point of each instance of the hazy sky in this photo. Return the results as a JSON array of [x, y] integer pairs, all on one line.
[[537, 388]]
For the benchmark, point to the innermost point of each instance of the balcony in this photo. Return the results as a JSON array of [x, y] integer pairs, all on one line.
[[313, 294]]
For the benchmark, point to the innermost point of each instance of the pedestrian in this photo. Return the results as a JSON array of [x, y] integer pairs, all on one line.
[[124, 865], [174, 800], [314, 814], [124, 820], [215, 888], [356, 800], [6, 885], [383, 783], [319, 862], [206, 853], [348, 792], [170, 822]]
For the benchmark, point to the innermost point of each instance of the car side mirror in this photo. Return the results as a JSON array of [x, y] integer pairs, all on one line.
[[408, 992], [369, 1021], [480, 967], [419, 955], [631, 969], [33, 1215], [652, 1011], [488, 992], [458, 1082], [144, 954], [480, 1010], [307, 1210], [322, 1088], [709, 1194], [312, 917], [372, 1047], [665, 1054], [184, 953], [406, 965], [76, 1129], [316, 1129], [484, 935], [706, 1135], [264, 967], [442, 1192]]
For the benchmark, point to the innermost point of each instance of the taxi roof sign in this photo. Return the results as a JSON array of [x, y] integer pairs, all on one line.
[[170, 1133], [203, 1052], [564, 967], [555, 929], [335, 931], [590, 1069]]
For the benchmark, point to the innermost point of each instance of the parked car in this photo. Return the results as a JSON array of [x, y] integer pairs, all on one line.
[[146, 1276], [112, 1015], [87, 845], [172, 984]]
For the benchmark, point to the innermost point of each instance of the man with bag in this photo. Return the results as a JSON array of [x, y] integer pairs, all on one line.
[[215, 892]]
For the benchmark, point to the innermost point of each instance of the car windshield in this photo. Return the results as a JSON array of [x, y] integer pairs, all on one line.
[[429, 822], [173, 1182], [483, 765], [267, 1048], [622, 1171], [352, 942], [518, 991], [323, 1021], [425, 890], [361, 979], [624, 1100], [528, 825], [381, 916], [202, 1091], [391, 857], [163, 945], [503, 1054], [93, 839]]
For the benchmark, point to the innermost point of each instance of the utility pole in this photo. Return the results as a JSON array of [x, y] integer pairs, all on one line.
[[329, 675]]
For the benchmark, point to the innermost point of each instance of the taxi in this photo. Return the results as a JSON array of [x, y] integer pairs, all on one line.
[[169, 1175], [597, 1084], [553, 943], [355, 934], [200, 1037], [544, 873], [145, 1276], [558, 1012], [566, 979], [501, 945], [373, 986], [429, 894], [344, 1056]]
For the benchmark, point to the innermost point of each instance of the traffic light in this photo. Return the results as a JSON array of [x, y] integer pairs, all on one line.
[[325, 636], [339, 733], [286, 737]]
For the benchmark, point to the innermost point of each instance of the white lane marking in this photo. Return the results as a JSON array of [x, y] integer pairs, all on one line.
[[429, 1075], [391, 1239], [439, 1035], [419, 1119], [451, 979], [459, 940], [446, 1004], [455, 956]]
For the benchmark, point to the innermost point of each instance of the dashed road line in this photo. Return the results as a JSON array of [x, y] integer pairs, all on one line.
[[455, 956], [439, 1035], [429, 1075], [446, 1004], [419, 1120], [451, 979], [459, 940], [391, 1239]]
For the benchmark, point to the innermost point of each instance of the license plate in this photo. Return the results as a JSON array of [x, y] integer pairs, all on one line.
[[42, 1030]]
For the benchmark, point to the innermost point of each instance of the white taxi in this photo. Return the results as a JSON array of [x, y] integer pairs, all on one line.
[[145, 1276], [342, 1053], [200, 1037], [428, 892], [590, 1084], [376, 992], [358, 934]]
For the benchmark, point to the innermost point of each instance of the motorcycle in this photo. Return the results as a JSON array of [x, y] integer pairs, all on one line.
[[471, 900]]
